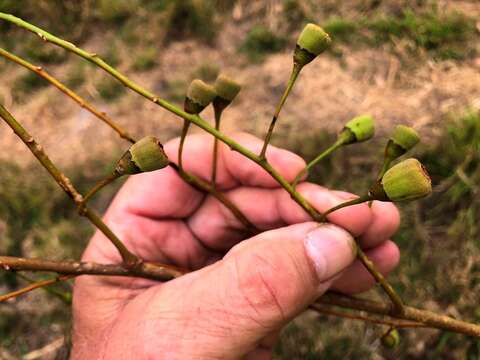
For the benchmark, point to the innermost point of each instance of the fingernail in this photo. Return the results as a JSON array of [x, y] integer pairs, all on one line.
[[331, 249]]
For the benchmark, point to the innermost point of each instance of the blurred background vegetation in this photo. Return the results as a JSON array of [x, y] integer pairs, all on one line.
[[402, 61]]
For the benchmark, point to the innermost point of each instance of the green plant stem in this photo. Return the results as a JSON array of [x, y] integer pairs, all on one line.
[[64, 297], [315, 161], [65, 183], [204, 186], [33, 286], [293, 77], [186, 125], [100, 185], [67, 91], [380, 279], [218, 116], [386, 165], [92, 57], [355, 201]]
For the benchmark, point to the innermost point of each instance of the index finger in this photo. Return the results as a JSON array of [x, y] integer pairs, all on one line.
[[163, 193]]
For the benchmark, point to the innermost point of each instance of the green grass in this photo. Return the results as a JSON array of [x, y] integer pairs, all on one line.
[[147, 59], [27, 84], [110, 89], [444, 36], [260, 41]]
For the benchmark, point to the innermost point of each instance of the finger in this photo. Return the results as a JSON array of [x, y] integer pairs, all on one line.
[[164, 193], [233, 167], [218, 229], [357, 279], [259, 286], [385, 222]]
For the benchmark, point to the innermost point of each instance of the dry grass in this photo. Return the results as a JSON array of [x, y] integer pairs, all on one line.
[[440, 236]]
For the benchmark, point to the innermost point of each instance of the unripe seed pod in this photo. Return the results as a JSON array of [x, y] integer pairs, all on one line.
[[361, 127], [145, 155], [226, 88], [199, 95], [405, 137], [407, 180], [391, 339], [313, 40]]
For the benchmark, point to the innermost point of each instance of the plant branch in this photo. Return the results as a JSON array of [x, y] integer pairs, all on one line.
[[165, 273], [100, 185], [428, 318], [293, 77], [315, 161], [186, 125], [218, 116], [65, 183], [147, 270], [204, 186], [33, 286], [65, 297], [358, 200], [366, 317], [67, 91]]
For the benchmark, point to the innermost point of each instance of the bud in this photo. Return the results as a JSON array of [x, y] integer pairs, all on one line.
[[391, 339], [226, 88], [145, 155], [403, 139], [407, 180], [313, 40], [199, 95], [360, 128]]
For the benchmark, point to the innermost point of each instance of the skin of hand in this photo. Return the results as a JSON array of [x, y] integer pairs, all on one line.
[[241, 291]]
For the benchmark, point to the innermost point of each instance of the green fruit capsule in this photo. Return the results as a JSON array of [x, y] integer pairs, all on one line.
[[313, 40], [145, 155], [391, 339], [199, 95], [226, 88], [407, 180], [402, 140], [360, 128]]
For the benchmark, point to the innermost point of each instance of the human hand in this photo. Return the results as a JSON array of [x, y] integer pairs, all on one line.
[[241, 292]]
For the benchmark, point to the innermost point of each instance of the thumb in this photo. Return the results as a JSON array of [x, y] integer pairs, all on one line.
[[260, 285]]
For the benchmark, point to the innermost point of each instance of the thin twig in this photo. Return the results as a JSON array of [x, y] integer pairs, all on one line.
[[33, 286], [356, 315], [293, 77], [202, 185], [146, 270], [67, 91], [129, 258], [428, 318]]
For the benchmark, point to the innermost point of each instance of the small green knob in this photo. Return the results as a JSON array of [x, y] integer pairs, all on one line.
[[145, 155], [360, 128], [199, 95], [391, 339], [313, 40], [405, 137], [226, 88], [407, 180]]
